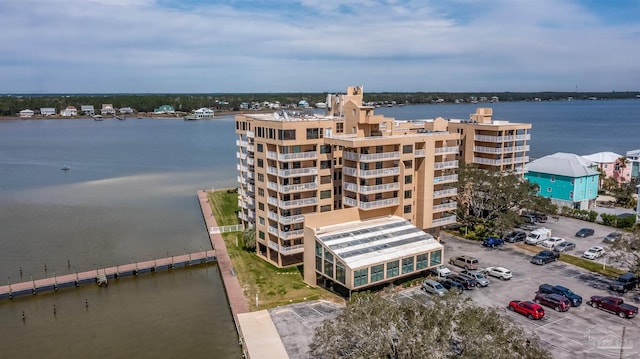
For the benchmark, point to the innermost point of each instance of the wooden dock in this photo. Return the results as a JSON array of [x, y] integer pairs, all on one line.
[[77, 279]]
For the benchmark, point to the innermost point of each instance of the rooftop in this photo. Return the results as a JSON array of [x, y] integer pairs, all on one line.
[[562, 164]]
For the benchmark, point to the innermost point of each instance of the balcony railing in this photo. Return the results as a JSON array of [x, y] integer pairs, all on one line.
[[486, 138], [292, 234], [350, 171], [445, 193], [241, 155], [298, 248], [445, 207], [508, 149], [250, 134], [350, 186], [273, 230], [298, 218], [250, 161], [380, 188], [503, 161], [445, 165], [447, 150], [370, 157], [242, 167], [250, 148], [350, 202], [445, 179], [309, 155], [305, 171], [293, 203], [310, 186], [379, 203], [444, 220], [272, 155], [390, 171], [420, 153], [241, 143]]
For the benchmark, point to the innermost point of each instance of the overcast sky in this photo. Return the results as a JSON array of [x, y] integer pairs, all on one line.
[[207, 46]]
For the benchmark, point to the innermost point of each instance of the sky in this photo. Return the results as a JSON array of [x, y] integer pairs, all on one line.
[[207, 46]]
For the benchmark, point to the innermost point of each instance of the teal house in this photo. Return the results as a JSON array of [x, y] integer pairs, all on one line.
[[164, 109], [566, 178]]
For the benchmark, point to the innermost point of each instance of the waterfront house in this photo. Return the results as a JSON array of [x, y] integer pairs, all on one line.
[[70, 111], [611, 165], [26, 113], [203, 113], [566, 178], [107, 109], [87, 110], [164, 109], [47, 111], [126, 110], [634, 158]]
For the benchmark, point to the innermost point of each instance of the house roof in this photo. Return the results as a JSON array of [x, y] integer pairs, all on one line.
[[603, 157], [562, 164]]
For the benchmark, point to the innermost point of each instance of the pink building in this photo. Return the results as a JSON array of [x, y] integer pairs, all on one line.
[[611, 166]]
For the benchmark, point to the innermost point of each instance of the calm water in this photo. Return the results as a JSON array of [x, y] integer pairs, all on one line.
[[130, 195]]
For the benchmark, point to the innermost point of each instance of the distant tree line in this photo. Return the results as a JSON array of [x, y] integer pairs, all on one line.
[[11, 105]]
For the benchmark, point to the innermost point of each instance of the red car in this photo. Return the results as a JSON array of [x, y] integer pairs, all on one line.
[[555, 301], [528, 308]]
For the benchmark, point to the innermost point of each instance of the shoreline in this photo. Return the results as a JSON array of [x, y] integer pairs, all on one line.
[[139, 115]]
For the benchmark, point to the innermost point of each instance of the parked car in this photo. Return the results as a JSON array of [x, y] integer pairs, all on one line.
[[552, 242], [492, 242], [614, 305], [498, 272], [515, 236], [467, 282], [530, 309], [552, 300], [538, 236], [584, 232], [440, 271], [612, 237], [451, 284], [545, 257], [433, 287], [593, 252], [625, 282], [565, 247], [479, 277], [466, 262], [575, 299]]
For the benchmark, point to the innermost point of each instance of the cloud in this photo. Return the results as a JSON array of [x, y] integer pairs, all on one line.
[[314, 45]]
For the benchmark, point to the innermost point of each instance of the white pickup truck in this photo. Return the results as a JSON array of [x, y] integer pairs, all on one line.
[[538, 236]]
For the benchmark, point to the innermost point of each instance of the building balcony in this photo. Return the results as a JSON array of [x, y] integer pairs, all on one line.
[[241, 143], [444, 220], [241, 180], [251, 134], [292, 234], [445, 207], [499, 162], [451, 150], [299, 248], [445, 179], [499, 150], [309, 155], [250, 148], [241, 155], [371, 157], [379, 188], [499, 139], [273, 230], [272, 155], [349, 202], [296, 172], [420, 153], [389, 202], [310, 186], [390, 171], [445, 165], [250, 161], [299, 218], [294, 203], [242, 167], [450, 192]]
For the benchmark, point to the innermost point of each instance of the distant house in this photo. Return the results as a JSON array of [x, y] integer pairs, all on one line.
[[202, 113], [164, 109], [87, 110], [566, 178], [26, 113], [107, 109], [609, 163], [47, 111], [634, 157], [244, 106], [69, 111], [126, 110]]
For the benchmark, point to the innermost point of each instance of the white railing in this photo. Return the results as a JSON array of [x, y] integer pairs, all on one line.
[[380, 188], [298, 202], [241, 155], [445, 207], [250, 148], [250, 188], [298, 248], [508, 149], [447, 150], [420, 153], [272, 155], [242, 180], [291, 219], [350, 201], [350, 171], [307, 171], [498, 162], [272, 185], [445, 165], [273, 230], [272, 201], [379, 204], [274, 245], [445, 179], [250, 175], [292, 234], [298, 187], [309, 155], [272, 215], [272, 170], [487, 138], [227, 229], [445, 193], [250, 134], [241, 143], [371, 156], [250, 161], [352, 156], [380, 172], [350, 186], [242, 167], [444, 220]]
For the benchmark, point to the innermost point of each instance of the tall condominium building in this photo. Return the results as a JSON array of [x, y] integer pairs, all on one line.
[[491, 144], [296, 163]]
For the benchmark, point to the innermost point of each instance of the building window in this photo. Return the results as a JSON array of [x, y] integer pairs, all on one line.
[[408, 164], [340, 272], [325, 208], [325, 164], [553, 178], [436, 258], [325, 179], [421, 261], [571, 194], [261, 220], [407, 149], [325, 194], [260, 162], [286, 135], [325, 149], [318, 257], [377, 273], [260, 177], [407, 209], [360, 277], [549, 189], [407, 265], [407, 194], [314, 133], [328, 264], [408, 179], [261, 206], [259, 147], [393, 269], [261, 192], [339, 127], [261, 234]]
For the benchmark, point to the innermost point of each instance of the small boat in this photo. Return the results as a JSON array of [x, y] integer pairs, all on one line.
[[97, 117], [65, 168]]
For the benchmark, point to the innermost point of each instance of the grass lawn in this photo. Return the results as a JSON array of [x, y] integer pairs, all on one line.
[[273, 286], [578, 262]]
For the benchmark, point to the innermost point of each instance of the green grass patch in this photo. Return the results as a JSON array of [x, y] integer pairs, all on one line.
[[274, 286]]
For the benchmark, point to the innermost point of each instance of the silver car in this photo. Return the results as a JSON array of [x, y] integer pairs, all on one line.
[[565, 247], [479, 277], [433, 287]]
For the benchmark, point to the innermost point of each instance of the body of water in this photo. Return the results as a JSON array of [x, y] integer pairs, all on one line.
[[130, 195]]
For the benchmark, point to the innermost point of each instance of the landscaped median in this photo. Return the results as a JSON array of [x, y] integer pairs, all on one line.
[[587, 264], [264, 285]]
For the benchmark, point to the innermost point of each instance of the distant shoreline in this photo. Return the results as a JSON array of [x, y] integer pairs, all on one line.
[[130, 116]]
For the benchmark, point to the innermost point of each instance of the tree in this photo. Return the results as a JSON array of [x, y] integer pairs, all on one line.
[[249, 238], [627, 249], [372, 326]]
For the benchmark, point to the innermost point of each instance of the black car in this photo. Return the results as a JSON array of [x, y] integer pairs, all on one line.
[[545, 257], [467, 282], [584, 232], [450, 284], [515, 236], [575, 299], [625, 282]]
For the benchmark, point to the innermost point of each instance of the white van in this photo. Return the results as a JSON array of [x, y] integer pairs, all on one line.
[[538, 236]]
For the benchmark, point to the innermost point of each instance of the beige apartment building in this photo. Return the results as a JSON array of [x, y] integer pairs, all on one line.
[[297, 163]]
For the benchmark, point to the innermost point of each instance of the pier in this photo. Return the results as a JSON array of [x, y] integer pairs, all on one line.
[[102, 275]]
